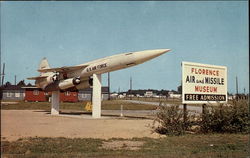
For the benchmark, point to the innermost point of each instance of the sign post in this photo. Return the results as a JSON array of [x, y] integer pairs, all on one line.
[[185, 115]]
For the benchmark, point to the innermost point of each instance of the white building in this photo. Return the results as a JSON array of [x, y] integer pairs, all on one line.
[[148, 94], [173, 95]]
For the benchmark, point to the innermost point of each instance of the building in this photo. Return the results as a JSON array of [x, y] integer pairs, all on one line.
[[175, 95], [12, 93], [148, 94], [114, 95], [34, 94], [31, 93], [86, 94], [69, 96]]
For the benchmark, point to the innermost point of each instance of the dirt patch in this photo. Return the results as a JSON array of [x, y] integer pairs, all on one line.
[[122, 144], [34, 123]]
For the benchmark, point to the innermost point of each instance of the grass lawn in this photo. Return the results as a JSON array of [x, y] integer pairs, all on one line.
[[167, 101], [178, 101], [196, 146], [106, 105]]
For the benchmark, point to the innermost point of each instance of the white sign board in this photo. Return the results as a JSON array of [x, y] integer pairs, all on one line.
[[202, 83]]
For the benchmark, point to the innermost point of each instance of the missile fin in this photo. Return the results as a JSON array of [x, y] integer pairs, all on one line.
[[36, 78]]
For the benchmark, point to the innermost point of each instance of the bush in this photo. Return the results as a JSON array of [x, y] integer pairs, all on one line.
[[169, 121], [220, 119], [226, 119]]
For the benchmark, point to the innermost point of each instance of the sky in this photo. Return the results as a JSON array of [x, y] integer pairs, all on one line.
[[70, 33]]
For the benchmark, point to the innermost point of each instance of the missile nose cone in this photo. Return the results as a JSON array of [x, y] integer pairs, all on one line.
[[146, 55], [150, 54], [158, 52]]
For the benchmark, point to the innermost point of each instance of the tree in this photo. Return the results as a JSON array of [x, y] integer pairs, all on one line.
[[7, 84], [21, 83], [29, 85]]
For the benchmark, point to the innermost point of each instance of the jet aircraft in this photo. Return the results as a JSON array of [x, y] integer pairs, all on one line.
[[80, 76]]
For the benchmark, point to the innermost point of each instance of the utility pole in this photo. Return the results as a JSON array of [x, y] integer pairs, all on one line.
[[130, 88], [0, 62], [1, 91], [237, 92], [109, 85], [0, 70], [15, 80], [2, 75], [130, 83]]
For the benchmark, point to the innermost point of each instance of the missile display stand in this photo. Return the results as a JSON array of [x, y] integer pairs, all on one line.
[[97, 96], [55, 103]]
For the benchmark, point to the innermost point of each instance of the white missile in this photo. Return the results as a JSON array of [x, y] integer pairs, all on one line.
[[120, 61], [79, 76]]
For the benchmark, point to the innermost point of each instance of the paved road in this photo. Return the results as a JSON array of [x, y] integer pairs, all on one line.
[[195, 109]]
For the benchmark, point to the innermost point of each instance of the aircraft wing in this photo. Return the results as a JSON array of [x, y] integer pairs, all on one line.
[[36, 78], [63, 69]]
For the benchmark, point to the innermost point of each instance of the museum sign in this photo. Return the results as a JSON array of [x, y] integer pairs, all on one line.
[[202, 83]]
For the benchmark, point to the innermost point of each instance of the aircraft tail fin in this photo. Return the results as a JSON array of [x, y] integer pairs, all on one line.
[[44, 64]]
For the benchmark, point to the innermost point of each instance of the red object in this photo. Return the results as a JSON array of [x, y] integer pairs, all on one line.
[[35, 94], [69, 96]]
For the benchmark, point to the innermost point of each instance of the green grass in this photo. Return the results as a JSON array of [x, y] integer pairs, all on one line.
[[197, 146], [106, 105], [165, 100], [116, 105], [175, 101], [162, 100]]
